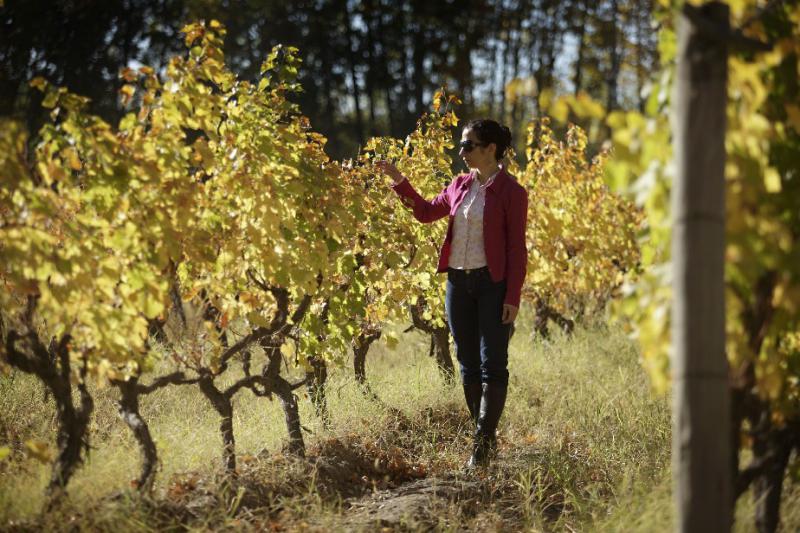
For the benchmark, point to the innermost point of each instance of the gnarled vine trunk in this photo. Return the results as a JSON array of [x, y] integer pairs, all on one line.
[[285, 392], [51, 364], [72, 438], [544, 314], [440, 338], [440, 341], [224, 407], [361, 347], [316, 378], [129, 412], [773, 448]]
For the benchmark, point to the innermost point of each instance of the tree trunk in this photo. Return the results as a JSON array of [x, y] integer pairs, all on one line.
[[353, 61], [441, 340], [329, 110], [400, 107], [757, 314], [291, 415], [577, 79], [360, 350], [361, 347], [545, 313], [283, 390], [224, 407], [72, 435], [419, 75], [316, 378], [51, 364], [492, 93], [129, 412], [386, 76], [641, 16], [515, 43], [501, 116], [701, 404], [615, 59], [774, 449], [540, 326], [372, 67]]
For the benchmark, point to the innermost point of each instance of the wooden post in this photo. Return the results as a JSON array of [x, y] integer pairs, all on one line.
[[701, 413]]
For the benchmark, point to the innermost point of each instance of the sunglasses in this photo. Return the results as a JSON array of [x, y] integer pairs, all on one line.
[[468, 145]]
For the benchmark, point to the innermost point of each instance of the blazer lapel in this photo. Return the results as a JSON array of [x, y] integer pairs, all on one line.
[[462, 191]]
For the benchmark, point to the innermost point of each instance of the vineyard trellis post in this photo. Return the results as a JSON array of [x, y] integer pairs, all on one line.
[[701, 403]]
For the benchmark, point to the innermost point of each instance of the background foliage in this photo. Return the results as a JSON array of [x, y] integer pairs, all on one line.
[[369, 67]]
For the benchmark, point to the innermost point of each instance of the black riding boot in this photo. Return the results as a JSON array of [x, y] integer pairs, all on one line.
[[472, 393], [492, 403]]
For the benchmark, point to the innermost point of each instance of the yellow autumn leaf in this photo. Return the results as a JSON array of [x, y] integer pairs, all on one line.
[[255, 318], [288, 350], [39, 450], [126, 93], [391, 342], [72, 158], [793, 114], [772, 180]]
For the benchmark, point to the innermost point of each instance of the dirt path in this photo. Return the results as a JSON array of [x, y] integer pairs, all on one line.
[[413, 505]]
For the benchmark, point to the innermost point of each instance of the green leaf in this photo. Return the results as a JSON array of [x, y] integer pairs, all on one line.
[[255, 318]]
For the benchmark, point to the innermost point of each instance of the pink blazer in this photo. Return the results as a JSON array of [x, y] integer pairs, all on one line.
[[505, 216]]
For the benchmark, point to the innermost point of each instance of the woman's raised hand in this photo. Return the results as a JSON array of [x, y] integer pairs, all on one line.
[[389, 169]]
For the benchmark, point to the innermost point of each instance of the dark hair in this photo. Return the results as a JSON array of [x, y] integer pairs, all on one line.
[[491, 131]]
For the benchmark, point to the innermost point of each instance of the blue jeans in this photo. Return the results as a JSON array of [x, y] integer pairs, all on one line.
[[474, 305]]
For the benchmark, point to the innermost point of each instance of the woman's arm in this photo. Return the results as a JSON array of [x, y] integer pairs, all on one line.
[[516, 251], [423, 210]]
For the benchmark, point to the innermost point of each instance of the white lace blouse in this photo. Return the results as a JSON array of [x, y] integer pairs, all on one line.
[[467, 250]]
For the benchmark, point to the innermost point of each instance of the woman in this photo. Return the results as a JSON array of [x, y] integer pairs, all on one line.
[[485, 258]]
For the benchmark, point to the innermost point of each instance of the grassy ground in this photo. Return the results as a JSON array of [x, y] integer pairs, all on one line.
[[584, 446]]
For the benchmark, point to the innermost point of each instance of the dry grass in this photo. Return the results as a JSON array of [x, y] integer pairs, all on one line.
[[584, 446]]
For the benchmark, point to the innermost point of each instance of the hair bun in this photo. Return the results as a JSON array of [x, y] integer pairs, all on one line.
[[506, 135], [491, 131]]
